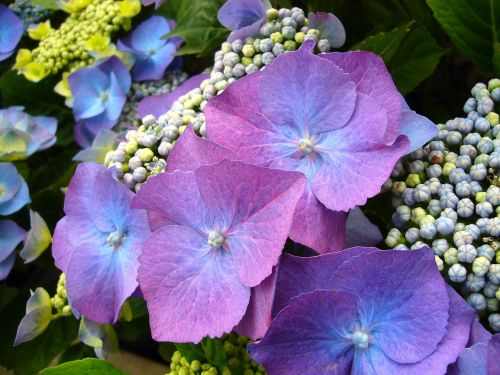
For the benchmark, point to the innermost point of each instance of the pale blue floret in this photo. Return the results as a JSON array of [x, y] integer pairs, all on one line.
[[412, 235], [454, 138], [463, 189], [486, 251], [457, 273], [434, 207], [494, 273], [473, 138], [440, 246], [482, 125], [484, 209], [494, 320], [473, 230], [478, 172], [477, 301], [493, 227], [421, 193], [475, 282], [465, 208], [450, 214], [448, 200], [462, 237], [467, 253], [434, 170], [428, 231]]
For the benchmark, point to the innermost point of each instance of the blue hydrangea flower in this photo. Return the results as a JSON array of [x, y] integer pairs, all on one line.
[[99, 94], [243, 17], [10, 236], [21, 135], [14, 192], [98, 242], [11, 31], [152, 53], [364, 311]]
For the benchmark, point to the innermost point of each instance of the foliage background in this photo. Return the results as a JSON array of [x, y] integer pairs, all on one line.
[[435, 49]]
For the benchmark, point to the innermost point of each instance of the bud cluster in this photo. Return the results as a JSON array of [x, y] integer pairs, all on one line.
[[70, 47], [146, 148], [60, 300], [235, 349], [447, 195], [141, 90], [29, 13]]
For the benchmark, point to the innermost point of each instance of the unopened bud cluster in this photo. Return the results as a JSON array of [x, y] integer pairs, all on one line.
[[29, 13], [147, 147], [235, 348], [447, 195], [59, 302], [140, 90], [66, 49]]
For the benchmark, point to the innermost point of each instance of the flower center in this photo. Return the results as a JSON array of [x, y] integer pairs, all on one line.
[[151, 52], [115, 239], [306, 146], [216, 238], [2, 190], [104, 96], [360, 339]]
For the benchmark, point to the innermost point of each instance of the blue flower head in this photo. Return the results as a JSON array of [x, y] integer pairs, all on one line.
[[99, 95], [21, 135], [13, 190], [152, 53], [10, 236], [11, 31]]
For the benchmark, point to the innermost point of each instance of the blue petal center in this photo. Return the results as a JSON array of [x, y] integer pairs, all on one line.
[[115, 239], [3, 190], [360, 339], [216, 238], [105, 96]]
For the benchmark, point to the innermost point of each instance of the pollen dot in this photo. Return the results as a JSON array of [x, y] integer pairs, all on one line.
[[306, 146], [216, 238], [360, 339]]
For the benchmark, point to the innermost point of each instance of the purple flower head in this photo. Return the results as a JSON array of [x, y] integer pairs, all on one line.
[[14, 192], [157, 105], [99, 94], [11, 31], [364, 311], [338, 121], [228, 224], [21, 135], [243, 17], [152, 53], [157, 3], [98, 242], [10, 236]]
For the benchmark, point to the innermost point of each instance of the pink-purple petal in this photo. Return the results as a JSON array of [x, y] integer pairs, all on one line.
[[190, 290], [320, 97]]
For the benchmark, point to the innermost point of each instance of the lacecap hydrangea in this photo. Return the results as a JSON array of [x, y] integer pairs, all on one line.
[[147, 147], [447, 195]]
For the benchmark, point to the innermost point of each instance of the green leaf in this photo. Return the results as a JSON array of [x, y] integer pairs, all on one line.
[[76, 351], [496, 57], [409, 51], [197, 24], [47, 4], [214, 352], [473, 26], [87, 366], [191, 352]]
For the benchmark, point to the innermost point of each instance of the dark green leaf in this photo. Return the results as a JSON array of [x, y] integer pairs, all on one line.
[[197, 24], [214, 352], [191, 352], [473, 26], [409, 51], [166, 350], [87, 366], [496, 57], [77, 351]]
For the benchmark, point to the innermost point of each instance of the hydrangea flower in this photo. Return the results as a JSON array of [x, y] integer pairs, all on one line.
[[21, 135], [243, 17], [14, 192], [339, 121], [37, 318], [152, 53], [331, 319], [10, 236], [157, 105], [196, 274], [11, 31], [37, 239], [99, 94], [157, 3], [98, 242], [330, 29]]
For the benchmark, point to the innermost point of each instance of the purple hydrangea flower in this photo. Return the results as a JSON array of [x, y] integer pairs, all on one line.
[[10, 236], [11, 31], [243, 17], [99, 94], [480, 357], [336, 117], [21, 135], [364, 311], [329, 26], [157, 105], [98, 242], [14, 192], [152, 53], [224, 238]]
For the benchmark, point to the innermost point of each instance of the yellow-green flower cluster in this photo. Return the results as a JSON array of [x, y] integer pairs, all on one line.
[[238, 360], [60, 300], [82, 38]]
